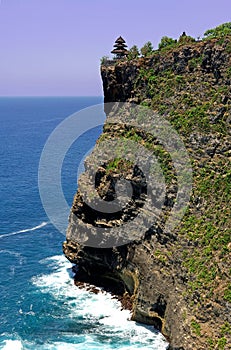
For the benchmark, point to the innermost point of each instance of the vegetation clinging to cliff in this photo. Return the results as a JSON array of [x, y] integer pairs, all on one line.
[[188, 82]]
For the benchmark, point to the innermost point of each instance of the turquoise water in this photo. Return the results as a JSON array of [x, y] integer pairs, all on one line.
[[40, 306]]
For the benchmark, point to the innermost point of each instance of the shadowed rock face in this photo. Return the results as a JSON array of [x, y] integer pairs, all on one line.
[[178, 281]]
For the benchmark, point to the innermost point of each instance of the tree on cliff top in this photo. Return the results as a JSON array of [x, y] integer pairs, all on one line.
[[147, 49], [133, 52], [185, 39], [166, 42], [221, 30]]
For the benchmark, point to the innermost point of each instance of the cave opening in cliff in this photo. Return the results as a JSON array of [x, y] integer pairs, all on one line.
[[157, 323]]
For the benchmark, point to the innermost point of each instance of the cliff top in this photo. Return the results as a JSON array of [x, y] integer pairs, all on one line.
[[167, 43]]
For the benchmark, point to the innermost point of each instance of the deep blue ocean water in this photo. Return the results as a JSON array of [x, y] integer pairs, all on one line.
[[40, 306]]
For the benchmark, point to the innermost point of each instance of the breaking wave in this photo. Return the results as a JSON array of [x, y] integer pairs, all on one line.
[[25, 230]]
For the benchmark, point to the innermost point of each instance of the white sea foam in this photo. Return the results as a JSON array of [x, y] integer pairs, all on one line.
[[12, 345], [25, 230], [98, 308]]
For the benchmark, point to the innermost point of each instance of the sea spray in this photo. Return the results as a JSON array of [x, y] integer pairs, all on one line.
[[105, 325]]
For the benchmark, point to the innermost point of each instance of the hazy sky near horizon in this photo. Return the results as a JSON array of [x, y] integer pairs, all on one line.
[[53, 47]]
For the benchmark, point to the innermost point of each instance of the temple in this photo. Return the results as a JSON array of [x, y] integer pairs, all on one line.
[[120, 50]]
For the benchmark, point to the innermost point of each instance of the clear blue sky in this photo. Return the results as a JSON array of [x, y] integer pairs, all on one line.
[[53, 47]]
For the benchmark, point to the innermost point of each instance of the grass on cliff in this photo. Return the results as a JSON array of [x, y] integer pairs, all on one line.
[[195, 102], [189, 101]]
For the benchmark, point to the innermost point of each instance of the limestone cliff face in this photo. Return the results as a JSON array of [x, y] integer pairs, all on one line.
[[178, 281]]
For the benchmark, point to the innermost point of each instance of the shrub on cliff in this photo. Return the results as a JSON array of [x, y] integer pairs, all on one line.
[[104, 59], [147, 49], [133, 52], [186, 39], [166, 42], [219, 31]]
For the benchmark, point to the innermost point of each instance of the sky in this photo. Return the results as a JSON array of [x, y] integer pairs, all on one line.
[[53, 47]]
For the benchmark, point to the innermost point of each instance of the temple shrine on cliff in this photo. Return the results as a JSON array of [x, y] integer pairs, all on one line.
[[120, 46]]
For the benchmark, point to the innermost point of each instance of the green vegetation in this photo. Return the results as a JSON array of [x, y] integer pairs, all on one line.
[[160, 256], [227, 293], [147, 49], [218, 32], [226, 329], [195, 62], [187, 106], [118, 165], [196, 327], [146, 140], [228, 72], [218, 344], [186, 39], [104, 59], [209, 230], [166, 42], [133, 52], [221, 343]]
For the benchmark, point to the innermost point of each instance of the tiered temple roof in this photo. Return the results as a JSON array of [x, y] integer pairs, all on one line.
[[120, 48]]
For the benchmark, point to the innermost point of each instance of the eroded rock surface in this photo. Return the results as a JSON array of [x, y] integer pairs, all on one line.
[[178, 281]]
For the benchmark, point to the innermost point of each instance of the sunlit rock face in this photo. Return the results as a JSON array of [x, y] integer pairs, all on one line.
[[179, 280]]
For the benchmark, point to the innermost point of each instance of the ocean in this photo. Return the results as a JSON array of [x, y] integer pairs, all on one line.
[[41, 308]]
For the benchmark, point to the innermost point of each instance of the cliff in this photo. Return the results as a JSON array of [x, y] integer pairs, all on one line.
[[177, 280]]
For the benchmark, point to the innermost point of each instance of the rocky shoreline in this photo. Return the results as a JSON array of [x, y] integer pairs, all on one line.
[[125, 299]]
